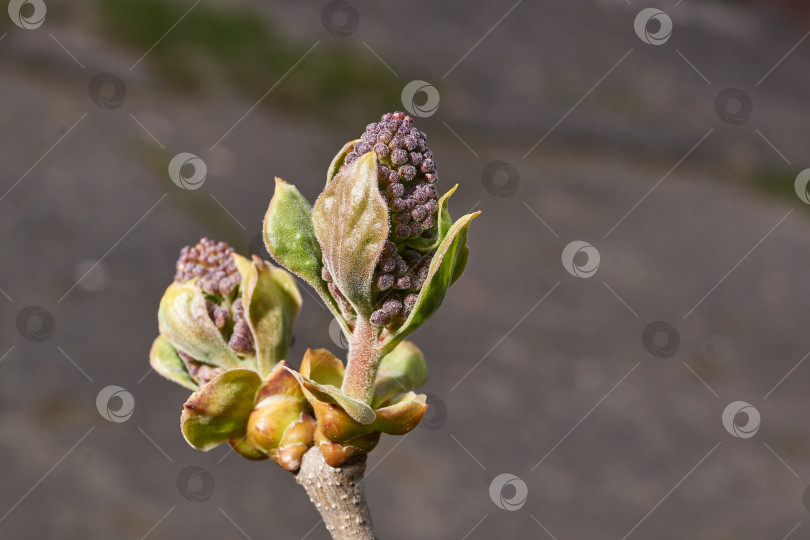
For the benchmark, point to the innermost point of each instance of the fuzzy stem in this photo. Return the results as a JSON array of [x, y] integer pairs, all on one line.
[[361, 369], [338, 495]]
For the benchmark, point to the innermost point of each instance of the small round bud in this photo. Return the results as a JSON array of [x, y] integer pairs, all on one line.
[[427, 165], [407, 172], [410, 300], [383, 282], [389, 249], [402, 283], [403, 231], [392, 306], [381, 150], [399, 205], [400, 156], [396, 142], [419, 213], [416, 229], [402, 268], [409, 141], [416, 158], [396, 190], [380, 318]]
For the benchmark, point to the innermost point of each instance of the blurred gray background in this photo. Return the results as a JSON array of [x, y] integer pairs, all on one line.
[[602, 393]]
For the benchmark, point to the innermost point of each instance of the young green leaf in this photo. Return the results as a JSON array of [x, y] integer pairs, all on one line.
[[339, 159], [218, 412], [272, 302], [164, 359], [330, 394], [290, 239], [445, 267], [351, 223], [184, 321], [400, 371]]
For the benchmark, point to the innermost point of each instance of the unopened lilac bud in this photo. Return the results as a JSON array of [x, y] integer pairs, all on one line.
[[380, 318], [387, 265], [392, 306], [383, 282], [402, 283], [381, 150], [399, 157]]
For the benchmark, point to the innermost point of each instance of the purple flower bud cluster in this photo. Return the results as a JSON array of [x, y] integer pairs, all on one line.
[[201, 373], [212, 264], [242, 338], [398, 280], [406, 174], [215, 269]]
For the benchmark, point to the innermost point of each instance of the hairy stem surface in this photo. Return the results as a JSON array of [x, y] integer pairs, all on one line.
[[338, 495], [361, 369]]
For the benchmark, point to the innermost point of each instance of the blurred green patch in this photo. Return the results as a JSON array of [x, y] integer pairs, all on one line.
[[242, 48], [774, 181]]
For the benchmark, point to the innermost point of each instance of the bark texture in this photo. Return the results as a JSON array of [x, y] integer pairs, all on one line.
[[338, 495]]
